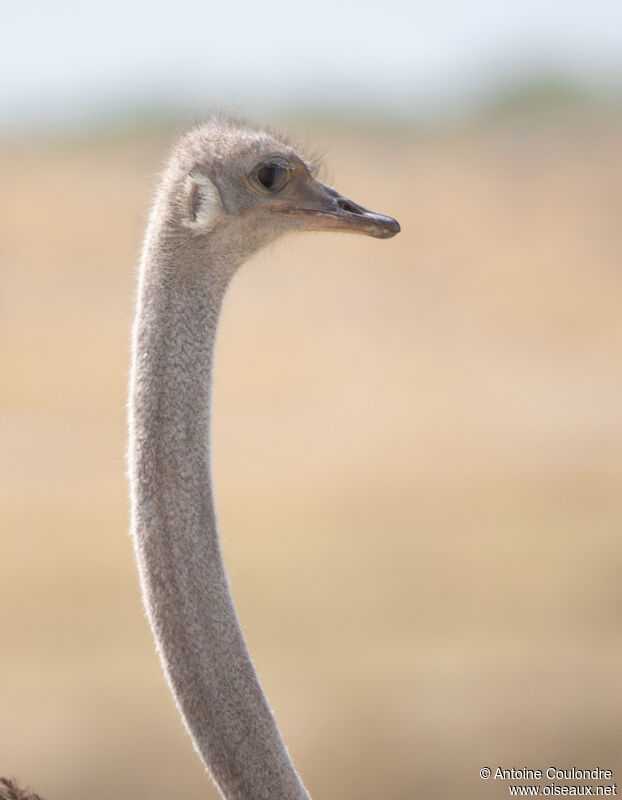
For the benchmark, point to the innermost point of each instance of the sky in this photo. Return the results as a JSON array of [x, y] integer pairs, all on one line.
[[68, 59]]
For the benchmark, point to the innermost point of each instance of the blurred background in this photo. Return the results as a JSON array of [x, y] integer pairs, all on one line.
[[417, 443]]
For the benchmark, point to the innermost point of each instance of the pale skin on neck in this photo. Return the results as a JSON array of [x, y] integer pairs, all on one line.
[[228, 190]]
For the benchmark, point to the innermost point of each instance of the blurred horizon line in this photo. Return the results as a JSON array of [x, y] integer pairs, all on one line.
[[526, 93]]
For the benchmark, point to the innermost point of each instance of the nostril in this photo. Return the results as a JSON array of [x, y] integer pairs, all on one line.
[[346, 205]]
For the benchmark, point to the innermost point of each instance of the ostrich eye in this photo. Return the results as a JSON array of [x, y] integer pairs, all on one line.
[[272, 175]]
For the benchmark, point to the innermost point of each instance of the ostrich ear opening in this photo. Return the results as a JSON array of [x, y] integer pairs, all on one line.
[[202, 205]]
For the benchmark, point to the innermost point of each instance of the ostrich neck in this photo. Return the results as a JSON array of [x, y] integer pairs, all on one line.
[[182, 574]]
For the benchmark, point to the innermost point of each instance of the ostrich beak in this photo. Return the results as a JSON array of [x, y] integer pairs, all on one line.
[[324, 209]]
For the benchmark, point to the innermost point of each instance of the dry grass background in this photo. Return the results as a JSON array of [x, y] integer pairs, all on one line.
[[418, 454]]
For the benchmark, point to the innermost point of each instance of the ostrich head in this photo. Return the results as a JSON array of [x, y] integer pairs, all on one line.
[[245, 186]]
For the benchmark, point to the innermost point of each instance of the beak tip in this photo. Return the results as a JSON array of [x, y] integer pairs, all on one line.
[[390, 227]]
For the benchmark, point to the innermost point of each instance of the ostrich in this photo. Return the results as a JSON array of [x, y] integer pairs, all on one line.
[[228, 190]]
